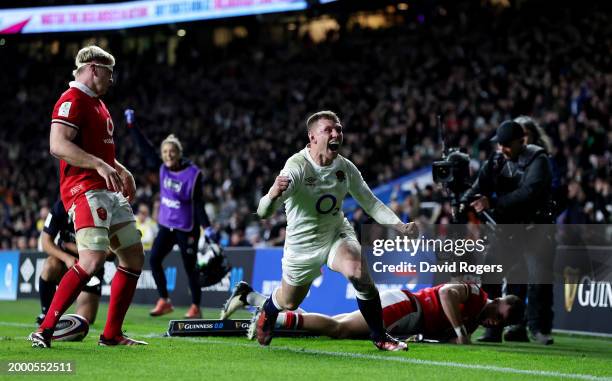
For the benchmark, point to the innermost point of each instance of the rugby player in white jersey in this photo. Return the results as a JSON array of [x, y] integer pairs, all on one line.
[[313, 185]]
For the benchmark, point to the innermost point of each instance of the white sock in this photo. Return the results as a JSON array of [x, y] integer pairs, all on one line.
[[276, 304], [256, 299], [294, 319], [280, 320]]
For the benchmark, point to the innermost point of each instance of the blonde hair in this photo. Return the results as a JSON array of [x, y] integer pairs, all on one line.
[[172, 139], [314, 118], [92, 53]]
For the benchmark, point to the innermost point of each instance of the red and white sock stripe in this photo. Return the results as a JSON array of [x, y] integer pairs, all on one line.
[[293, 320]]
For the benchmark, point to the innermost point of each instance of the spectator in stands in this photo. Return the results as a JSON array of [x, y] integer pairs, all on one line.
[[146, 225], [393, 97]]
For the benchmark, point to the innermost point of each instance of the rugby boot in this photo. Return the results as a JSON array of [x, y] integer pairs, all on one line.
[[542, 338], [194, 312], [41, 339], [389, 343], [163, 307], [236, 301], [264, 323], [119, 340]]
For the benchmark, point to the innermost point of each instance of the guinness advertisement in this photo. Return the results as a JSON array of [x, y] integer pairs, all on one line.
[[204, 327], [583, 300], [208, 327]]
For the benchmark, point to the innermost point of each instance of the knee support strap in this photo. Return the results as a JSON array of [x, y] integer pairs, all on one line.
[[92, 239], [125, 236]]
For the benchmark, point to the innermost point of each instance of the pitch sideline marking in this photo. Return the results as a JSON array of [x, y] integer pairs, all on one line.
[[491, 368]]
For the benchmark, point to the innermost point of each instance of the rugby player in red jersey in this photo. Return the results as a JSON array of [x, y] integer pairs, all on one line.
[[449, 312], [95, 189]]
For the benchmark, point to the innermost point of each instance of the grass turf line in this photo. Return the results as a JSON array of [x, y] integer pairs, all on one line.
[[300, 359]]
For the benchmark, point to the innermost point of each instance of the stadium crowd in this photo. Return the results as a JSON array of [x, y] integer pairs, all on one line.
[[240, 110]]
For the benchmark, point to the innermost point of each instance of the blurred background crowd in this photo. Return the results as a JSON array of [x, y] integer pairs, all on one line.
[[238, 97]]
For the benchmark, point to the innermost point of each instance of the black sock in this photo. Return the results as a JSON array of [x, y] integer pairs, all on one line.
[[270, 308], [372, 313], [46, 289]]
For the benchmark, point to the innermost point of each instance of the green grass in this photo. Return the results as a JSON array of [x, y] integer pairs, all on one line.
[[218, 358]]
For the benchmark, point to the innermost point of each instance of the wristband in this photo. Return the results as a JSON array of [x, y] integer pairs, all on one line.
[[461, 331]]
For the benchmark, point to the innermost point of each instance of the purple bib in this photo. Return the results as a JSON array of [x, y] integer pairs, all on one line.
[[176, 190]]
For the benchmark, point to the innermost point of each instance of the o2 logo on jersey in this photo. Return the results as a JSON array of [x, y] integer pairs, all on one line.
[[110, 127], [327, 204]]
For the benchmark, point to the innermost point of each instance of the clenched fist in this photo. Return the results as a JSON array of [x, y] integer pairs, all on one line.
[[280, 185], [411, 230]]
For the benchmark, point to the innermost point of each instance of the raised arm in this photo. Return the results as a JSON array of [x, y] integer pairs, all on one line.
[[145, 147], [373, 206], [283, 187], [275, 197]]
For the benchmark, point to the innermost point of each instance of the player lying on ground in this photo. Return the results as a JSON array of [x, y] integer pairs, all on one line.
[[313, 185], [448, 312]]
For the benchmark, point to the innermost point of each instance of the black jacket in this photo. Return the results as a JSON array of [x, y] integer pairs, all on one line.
[[519, 191]]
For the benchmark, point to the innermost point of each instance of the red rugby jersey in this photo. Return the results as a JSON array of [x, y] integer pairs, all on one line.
[[436, 325], [80, 108]]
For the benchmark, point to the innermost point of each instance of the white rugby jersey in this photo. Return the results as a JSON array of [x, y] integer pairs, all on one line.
[[313, 200]]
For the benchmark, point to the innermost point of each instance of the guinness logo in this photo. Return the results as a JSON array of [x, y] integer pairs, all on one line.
[[570, 275], [181, 326]]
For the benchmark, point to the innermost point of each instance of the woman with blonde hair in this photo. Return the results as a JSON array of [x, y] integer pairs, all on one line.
[[181, 213]]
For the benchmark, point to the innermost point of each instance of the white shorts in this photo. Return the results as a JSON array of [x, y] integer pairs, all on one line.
[[301, 267], [101, 209]]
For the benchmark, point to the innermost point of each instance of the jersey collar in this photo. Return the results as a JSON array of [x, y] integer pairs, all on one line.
[[313, 162], [83, 88]]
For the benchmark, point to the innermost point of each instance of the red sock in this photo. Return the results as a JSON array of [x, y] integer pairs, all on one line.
[[293, 320], [69, 288], [122, 292]]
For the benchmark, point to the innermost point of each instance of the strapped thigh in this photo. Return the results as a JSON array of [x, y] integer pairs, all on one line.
[[91, 238], [125, 236]]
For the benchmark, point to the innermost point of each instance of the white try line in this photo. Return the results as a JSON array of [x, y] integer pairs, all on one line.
[[405, 360]]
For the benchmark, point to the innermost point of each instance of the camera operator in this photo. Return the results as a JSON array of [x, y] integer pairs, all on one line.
[[515, 187]]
